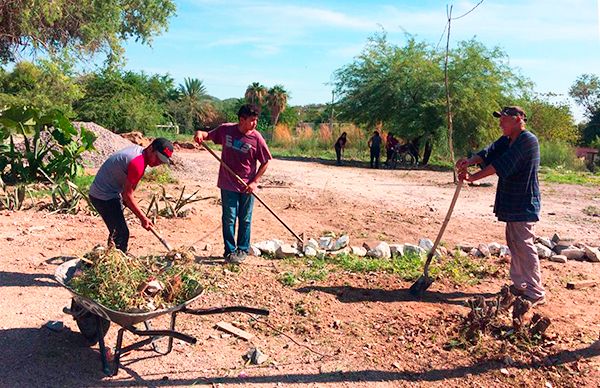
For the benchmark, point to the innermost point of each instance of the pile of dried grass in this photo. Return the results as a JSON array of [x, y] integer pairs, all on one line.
[[138, 284]]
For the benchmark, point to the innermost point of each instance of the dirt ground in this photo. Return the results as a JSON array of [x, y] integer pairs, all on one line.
[[346, 330]]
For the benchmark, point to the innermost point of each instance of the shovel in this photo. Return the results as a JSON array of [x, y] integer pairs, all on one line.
[[424, 282], [161, 239], [300, 239]]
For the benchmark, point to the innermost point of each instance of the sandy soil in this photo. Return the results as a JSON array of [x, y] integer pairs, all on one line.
[[347, 330]]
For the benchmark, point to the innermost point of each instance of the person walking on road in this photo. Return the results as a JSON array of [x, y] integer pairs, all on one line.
[[390, 143], [115, 182], [374, 144], [515, 158], [339, 146], [244, 149]]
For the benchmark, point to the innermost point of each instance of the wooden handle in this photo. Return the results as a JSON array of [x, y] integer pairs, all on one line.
[[253, 193], [161, 239], [443, 228]]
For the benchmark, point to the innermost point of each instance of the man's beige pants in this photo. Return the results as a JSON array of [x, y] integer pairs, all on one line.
[[525, 263]]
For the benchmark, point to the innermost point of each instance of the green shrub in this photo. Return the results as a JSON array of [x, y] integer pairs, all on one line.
[[559, 154], [52, 147]]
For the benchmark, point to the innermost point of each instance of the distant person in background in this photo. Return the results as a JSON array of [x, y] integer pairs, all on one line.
[[246, 153], [115, 182], [339, 146], [374, 144], [390, 143]]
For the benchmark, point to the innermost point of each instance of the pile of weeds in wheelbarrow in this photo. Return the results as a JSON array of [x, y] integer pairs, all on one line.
[[138, 284]]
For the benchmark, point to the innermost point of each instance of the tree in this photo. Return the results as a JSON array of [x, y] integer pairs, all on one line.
[[276, 101], [400, 88], [193, 109], [591, 132], [255, 94], [79, 26], [119, 101], [47, 85], [586, 92], [481, 82], [551, 122]]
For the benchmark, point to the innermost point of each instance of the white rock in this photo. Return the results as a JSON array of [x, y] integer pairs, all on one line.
[[340, 243], [483, 248], [426, 244], [397, 249], [494, 248], [286, 250], [593, 254], [465, 247], [558, 258], [269, 247], [543, 251], [325, 242], [410, 248], [342, 251], [309, 251], [546, 242], [254, 251], [381, 251], [504, 251], [312, 243], [358, 251], [476, 252], [573, 253]]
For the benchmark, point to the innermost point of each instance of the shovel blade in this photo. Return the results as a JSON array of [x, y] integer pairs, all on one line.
[[420, 286]]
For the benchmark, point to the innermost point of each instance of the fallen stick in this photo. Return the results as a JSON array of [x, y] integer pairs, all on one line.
[[581, 284]]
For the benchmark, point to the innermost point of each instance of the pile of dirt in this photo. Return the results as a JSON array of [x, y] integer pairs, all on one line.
[[106, 144]]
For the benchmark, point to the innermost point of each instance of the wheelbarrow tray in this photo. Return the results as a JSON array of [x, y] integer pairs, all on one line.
[[63, 275]]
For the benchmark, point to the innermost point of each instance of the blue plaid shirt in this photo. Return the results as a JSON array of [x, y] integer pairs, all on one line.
[[518, 195]]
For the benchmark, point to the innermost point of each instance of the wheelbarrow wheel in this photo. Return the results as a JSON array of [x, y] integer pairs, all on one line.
[[87, 323]]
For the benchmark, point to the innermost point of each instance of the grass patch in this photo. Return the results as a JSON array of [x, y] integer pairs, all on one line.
[[560, 175], [592, 211], [457, 270], [466, 270], [161, 175]]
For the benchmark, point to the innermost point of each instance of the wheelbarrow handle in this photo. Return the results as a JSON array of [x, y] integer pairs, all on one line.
[[229, 309]]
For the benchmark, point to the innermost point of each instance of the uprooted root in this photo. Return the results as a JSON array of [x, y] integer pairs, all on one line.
[[492, 317]]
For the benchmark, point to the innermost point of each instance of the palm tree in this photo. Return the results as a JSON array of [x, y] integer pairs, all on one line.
[[193, 87], [276, 101], [255, 94], [196, 104]]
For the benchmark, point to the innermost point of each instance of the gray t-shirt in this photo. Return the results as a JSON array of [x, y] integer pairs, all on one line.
[[113, 174]]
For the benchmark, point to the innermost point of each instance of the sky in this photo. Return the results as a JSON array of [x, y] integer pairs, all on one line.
[[300, 44]]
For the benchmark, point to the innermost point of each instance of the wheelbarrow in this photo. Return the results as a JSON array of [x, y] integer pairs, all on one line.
[[93, 320]]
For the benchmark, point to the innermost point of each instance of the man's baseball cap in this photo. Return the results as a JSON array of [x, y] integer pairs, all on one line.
[[164, 149], [511, 111]]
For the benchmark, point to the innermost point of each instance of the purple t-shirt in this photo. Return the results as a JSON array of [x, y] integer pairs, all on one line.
[[241, 153]]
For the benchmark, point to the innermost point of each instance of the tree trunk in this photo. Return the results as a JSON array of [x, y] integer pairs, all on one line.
[[427, 152]]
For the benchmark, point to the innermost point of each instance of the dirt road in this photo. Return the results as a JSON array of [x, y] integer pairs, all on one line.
[[346, 330]]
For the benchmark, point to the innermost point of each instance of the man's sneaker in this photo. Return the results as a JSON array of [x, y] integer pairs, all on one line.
[[236, 257], [535, 301], [515, 291]]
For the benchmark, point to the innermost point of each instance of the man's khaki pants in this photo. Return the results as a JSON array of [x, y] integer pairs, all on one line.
[[525, 263]]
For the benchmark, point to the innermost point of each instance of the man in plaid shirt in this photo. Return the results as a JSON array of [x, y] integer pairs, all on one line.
[[515, 158]]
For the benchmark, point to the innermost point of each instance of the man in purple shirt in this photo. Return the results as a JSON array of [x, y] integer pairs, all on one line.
[[246, 153]]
